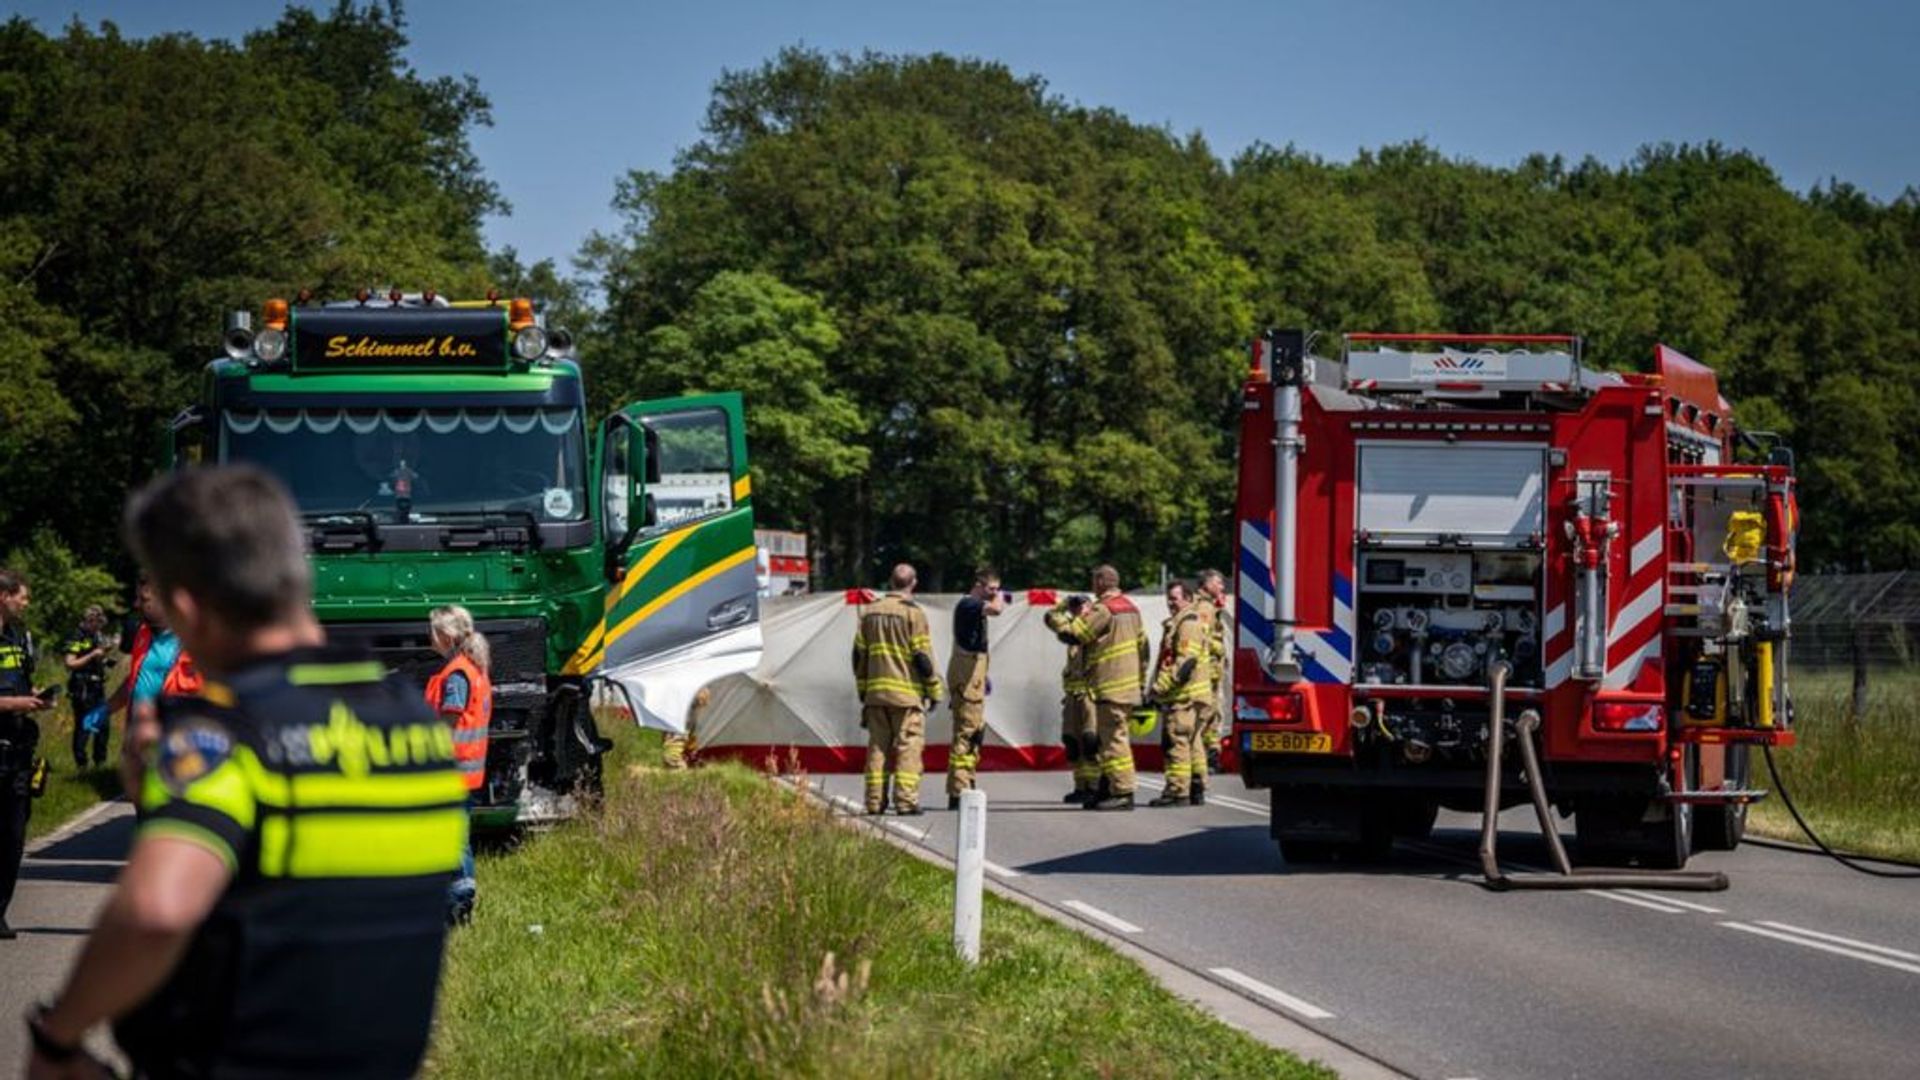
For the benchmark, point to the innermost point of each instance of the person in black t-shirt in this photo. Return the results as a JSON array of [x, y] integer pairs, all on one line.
[[967, 679]]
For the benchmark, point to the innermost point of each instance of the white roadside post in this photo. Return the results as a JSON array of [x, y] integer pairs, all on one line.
[[969, 874]]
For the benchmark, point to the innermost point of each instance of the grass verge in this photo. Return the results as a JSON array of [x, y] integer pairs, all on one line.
[[69, 790], [1857, 784], [708, 923]]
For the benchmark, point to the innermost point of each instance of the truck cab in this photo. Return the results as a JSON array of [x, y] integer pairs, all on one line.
[[442, 453]]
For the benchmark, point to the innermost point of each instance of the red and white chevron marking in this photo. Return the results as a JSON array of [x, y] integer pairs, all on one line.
[[1634, 638]]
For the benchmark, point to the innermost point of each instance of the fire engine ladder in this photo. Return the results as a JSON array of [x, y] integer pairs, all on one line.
[[1486, 369]]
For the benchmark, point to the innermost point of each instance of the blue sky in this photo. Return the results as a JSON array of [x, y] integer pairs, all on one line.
[[584, 91]]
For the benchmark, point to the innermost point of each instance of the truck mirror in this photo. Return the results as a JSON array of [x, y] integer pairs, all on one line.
[[185, 440], [649, 517]]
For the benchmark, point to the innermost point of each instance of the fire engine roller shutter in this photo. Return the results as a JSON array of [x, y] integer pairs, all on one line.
[[1481, 492]]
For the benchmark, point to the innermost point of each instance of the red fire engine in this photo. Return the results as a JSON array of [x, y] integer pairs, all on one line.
[[1430, 510]]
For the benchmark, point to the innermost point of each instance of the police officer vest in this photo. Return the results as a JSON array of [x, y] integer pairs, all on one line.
[[470, 728], [19, 732], [331, 792]]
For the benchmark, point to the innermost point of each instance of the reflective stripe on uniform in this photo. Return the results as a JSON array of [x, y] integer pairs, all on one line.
[[346, 845], [334, 674]]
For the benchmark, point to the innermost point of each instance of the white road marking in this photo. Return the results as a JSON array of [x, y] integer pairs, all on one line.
[[1637, 902], [1837, 950], [1278, 997], [1675, 902], [1838, 940], [1111, 922], [997, 870], [908, 830]]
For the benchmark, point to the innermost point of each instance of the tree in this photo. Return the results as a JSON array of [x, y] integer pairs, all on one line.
[[774, 344]]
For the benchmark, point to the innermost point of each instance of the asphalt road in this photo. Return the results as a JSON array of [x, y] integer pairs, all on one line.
[[65, 878], [1801, 969]]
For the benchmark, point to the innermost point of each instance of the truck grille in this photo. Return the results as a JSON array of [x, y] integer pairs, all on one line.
[[518, 671]]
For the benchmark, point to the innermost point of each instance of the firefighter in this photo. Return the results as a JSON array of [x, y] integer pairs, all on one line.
[[1116, 659], [1079, 730], [894, 676], [1212, 603], [1180, 679], [282, 910], [967, 679]]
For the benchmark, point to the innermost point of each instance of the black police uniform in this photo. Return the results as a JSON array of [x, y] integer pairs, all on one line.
[[332, 793], [19, 736], [86, 688]]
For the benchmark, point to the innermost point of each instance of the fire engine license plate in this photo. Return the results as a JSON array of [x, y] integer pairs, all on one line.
[[1288, 742]]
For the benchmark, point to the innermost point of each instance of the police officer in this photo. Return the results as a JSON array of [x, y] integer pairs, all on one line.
[[1181, 678], [1111, 631], [88, 651], [1212, 613], [894, 676], [967, 679], [283, 908], [19, 734], [1079, 731]]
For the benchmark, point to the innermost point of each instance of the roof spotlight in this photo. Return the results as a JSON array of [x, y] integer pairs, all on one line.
[[270, 344], [530, 342]]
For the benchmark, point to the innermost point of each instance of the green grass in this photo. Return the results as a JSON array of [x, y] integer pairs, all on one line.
[[1858, 785], [69, 790], [708, 923]]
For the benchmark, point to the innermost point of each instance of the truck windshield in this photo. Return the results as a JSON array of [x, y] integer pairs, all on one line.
[[416, 464]]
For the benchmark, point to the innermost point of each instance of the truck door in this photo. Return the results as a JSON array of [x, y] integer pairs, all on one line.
[[677, 518]]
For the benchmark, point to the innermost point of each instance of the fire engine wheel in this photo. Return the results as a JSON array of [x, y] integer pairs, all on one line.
[[1413, 817], [1621, 831], [1721, 828], [1308, 852]]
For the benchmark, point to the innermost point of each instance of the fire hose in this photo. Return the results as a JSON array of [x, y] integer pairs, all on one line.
[[1525, 725]]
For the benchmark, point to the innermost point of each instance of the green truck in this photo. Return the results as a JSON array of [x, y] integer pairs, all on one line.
[[442, 453]]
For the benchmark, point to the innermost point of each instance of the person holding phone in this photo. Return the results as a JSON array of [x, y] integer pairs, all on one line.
[[19, 733]]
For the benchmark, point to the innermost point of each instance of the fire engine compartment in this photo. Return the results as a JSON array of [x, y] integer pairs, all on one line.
[[1439, 617]]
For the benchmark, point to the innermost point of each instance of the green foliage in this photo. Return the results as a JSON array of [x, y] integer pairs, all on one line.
[[974, 322], [152, 185], [63, 587], [1008, 277], [1040, 306], [748, 332]]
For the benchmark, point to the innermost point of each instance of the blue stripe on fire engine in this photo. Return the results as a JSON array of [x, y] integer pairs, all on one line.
[[1253, 567], [1342, 588], [1311, 668], [1254, 621]]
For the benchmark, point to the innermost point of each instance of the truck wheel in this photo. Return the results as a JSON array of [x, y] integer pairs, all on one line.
[[1721, 828], [1307, 852], [1667, 844], [1413, 817]]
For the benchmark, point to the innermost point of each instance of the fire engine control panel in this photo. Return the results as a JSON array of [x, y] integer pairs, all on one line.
[[1437, 618]]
